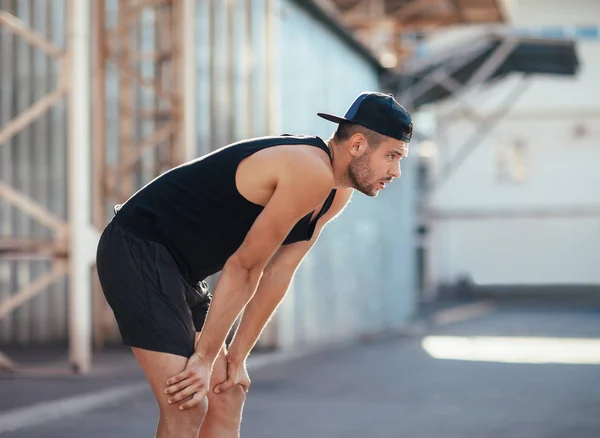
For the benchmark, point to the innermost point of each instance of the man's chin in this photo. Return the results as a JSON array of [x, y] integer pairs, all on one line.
[[372, 193]]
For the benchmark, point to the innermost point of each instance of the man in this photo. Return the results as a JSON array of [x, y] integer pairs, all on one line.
[[251, 210]]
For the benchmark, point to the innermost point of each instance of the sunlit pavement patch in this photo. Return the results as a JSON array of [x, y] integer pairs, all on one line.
[[514, 349]]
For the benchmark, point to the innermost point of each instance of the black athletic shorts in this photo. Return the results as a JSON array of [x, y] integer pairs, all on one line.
[[155, 307]]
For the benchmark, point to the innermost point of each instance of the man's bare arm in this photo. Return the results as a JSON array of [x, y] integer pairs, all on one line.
[[274, 285], [295, 195]]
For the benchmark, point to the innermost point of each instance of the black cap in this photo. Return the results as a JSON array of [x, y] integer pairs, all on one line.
[[380, 113]]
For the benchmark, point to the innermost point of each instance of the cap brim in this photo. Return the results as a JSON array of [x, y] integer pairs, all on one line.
[[332, 118]]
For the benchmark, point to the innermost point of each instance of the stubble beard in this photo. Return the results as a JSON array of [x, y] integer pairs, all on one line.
[[360, 176]]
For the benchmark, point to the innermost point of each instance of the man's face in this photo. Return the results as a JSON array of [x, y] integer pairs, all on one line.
[[371, 170]]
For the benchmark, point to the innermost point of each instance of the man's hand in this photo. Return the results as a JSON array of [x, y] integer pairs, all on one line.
[[236, 375], [191, 384]]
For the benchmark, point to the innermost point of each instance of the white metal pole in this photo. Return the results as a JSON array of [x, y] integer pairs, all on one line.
[[82, 239], [271, 48], [188, 71]]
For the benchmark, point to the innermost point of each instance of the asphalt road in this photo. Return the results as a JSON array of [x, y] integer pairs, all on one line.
[[395, 389]]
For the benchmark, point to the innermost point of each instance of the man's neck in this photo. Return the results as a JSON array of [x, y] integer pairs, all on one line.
[[339, 169]]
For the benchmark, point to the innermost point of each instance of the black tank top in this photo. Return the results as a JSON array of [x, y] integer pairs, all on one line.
[[196, 211]]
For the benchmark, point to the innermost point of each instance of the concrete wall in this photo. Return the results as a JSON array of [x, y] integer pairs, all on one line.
[[524, 208]]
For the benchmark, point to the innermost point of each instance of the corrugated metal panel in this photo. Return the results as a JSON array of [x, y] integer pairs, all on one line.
[[247, 86], [232, 73], [33, 162], [232, 92], [233, 89]]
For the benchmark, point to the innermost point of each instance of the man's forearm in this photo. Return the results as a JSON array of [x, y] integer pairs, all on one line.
[[233, 291], [270, 292]]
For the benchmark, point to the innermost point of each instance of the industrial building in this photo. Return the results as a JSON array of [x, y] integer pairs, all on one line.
[[99, 97]]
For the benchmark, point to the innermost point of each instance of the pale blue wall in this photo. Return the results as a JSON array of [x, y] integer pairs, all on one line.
[[317, 72], [360, 276]]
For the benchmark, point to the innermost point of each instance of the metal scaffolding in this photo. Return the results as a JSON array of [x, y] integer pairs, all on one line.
[[71, 246], [141, 54]]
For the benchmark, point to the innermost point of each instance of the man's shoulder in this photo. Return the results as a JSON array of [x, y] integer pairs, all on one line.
[[301, 156], [308, 162], [277, 140]]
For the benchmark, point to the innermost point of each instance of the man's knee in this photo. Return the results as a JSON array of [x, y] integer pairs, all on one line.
[[191, 418], [227, 405]]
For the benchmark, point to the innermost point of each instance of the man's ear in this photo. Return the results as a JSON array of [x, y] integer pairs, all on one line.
[[357, 144]]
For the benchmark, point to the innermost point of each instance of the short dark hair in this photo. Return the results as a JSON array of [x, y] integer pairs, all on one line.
[[345, 130]]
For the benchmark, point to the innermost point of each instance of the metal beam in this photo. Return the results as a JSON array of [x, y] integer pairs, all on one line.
[[250, 68], [492, 63], [412, 8], [188, 72], [83, 240], [270, 59], [31, 248], [483, 73], [32, 208], [43, 44], [445, 80], [27, 248], [30, 114], [484, 125], [483, 128], [100, 308], [129, 160], [33, 289], [425, 83], [36, 39]]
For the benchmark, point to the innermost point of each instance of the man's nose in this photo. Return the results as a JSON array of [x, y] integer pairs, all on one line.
[[395, 171]]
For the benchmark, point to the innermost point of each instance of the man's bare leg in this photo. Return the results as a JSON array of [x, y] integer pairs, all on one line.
[[224, 416], [173, 423]]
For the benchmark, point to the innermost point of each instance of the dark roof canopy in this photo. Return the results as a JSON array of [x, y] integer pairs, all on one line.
[[422, 80]]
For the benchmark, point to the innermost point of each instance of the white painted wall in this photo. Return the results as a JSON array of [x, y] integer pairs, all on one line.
[[554, 12], [544, 229]]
